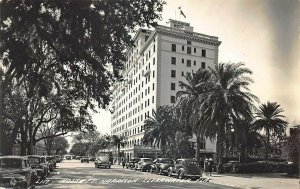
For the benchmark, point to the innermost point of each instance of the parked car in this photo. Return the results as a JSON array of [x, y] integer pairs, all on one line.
[[68, 157], [185, 168], [143, 164], [40, 165], [92, 158], [58, 158], [85, 159], [15, 172], [52, 162], [78, 157], [131, 162], [161, 165], [102, 161]]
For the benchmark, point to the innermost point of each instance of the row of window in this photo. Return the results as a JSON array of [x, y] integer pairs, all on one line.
[[188, 62], [188, 49]]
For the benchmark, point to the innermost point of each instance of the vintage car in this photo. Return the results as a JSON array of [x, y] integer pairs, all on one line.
[[85, 159], [185, 168], [52, 162], [68, 157], [39, 164], [78, 157], [131, 163], [144, 164], [102, 161], [15, 172], [161, 165]]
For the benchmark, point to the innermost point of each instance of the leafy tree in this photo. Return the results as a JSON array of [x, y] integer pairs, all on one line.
[[270, 119], [60, 145], [187, 106], [79, 149], [160, 129], [227, 101], [118, 141], [291, 146], [72, 48]]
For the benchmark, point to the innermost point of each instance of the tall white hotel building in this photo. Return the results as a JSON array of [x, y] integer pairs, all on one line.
[[160, 59]]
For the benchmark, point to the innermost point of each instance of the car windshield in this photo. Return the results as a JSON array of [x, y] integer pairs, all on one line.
[[50, 158], [7, 163], [34, 160], [147, 160], [166, 161]]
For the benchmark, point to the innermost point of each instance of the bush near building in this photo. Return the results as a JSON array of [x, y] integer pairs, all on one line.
[[260, 167]]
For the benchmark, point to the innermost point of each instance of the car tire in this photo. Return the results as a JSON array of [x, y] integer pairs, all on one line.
[[169, 173], [88, 162], [180, 175]]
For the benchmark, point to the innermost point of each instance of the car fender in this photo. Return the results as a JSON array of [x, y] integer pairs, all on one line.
[[182, 170]]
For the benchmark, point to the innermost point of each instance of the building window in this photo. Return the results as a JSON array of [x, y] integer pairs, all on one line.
[[152, 99], [174, 47], [173, 73], [188, 63], [172, 99], [153, 48], [203, 65], [153, 73], [182, 61], [153, 86], [173, 60], [153, 61], [189, 50], [195, 63], [195, 50], [182, 73], [189, 42], [182, 47], [203, 53], [173, 86]]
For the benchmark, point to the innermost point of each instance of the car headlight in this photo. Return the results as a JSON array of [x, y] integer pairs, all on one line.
[[12, 182]]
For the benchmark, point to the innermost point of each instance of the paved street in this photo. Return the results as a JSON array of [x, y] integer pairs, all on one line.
[[73, 174]]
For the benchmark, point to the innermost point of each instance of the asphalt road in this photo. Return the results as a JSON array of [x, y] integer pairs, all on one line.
[[71, 174]]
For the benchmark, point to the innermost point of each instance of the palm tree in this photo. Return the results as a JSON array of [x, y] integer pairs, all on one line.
[[187, 109], [227, 100], [270, 119], [118, 141], [161, 127]]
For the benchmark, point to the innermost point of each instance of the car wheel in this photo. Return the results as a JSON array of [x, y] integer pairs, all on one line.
[[169, 173], [88, 162], [180, 175], [160, 172], [151, 170]]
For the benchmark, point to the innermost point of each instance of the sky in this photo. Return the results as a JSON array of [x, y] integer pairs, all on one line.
[[263, 34]]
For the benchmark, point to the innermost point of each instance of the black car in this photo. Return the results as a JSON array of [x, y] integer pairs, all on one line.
[[40, 165], [85, 159], [52, 162], [144, 164], [131, 163], [185, 168], [161, 165], [15, 172]]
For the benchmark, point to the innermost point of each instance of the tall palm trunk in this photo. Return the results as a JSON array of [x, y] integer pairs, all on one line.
[[198, 142], [267, 144], [220, 149]]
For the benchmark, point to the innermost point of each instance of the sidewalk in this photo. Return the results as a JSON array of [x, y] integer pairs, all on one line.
[[255, 181]]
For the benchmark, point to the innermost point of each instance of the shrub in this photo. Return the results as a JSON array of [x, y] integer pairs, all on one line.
[[259, 167]]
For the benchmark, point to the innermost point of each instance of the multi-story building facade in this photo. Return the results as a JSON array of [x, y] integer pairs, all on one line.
[[155, 65]]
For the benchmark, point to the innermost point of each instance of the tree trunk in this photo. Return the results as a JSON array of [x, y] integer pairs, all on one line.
[[220, 149], [23, 143], [198, 143], [267, 144]]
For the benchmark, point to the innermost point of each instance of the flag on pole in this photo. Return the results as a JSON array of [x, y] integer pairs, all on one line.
[[181, 12]]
